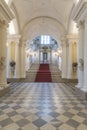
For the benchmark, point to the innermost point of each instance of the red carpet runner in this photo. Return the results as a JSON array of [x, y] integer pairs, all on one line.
[[43, 74]]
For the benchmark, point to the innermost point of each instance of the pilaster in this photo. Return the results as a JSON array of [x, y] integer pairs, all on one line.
[[22, 47], [71, 40], [69, 74], [64, 58], [17, 60], [85, 56]]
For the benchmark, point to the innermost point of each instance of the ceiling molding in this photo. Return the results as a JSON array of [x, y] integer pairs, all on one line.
[[80, 11], [43, 19], [5, 12], [43, 28]]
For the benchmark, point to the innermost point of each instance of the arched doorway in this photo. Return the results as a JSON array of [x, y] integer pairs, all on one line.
[[43, 49]]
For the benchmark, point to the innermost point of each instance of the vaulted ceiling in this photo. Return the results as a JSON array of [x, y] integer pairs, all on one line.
[[39, 17], [30, 9]]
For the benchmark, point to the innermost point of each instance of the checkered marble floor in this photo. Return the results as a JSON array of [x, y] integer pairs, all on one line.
[[42, 106]]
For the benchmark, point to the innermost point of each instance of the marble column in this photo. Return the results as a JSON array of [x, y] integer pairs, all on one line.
[[69, 72], [8, 59], [80, 56], [85, 56], [50, 56], [17, 60], [23, 72], [3, 35], [64, 67]]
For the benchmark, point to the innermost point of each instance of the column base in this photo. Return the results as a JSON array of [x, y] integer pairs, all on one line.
[[4, 90], [80, 92]]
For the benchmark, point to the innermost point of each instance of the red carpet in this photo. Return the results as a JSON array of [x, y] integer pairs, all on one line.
[[43, 74]]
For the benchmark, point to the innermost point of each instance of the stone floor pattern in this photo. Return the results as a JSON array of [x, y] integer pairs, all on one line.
[[42, 106]]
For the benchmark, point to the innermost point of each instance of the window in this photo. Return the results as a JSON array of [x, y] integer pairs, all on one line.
[[45, 39]]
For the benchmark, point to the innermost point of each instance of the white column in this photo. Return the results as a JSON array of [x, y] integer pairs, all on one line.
[[23, 73], [50, 56], [80, 56], [85, 56], [3, 34], [17, 60], [69, 72], [64, 67], [8, 59]]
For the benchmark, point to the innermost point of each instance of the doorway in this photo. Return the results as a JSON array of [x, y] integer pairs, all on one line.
[[45, 57]]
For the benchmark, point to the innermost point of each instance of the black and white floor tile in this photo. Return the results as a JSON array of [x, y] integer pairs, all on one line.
[[42, 106]]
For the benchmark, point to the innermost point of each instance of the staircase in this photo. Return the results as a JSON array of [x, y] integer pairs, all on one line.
[[43, 74]]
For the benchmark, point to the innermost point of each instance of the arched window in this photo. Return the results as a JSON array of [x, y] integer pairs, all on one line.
[[45, 39]]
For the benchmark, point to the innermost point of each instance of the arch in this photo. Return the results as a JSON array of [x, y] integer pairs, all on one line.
[[43, 26]]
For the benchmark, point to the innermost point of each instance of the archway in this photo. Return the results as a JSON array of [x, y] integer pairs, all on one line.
[[42, 49], [43, 26]]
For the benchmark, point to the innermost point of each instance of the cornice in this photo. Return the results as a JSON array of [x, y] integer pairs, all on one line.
[[72, 36], [13, 37], [5, 12]]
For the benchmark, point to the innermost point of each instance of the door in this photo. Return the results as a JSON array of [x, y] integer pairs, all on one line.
[[45, 57]]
